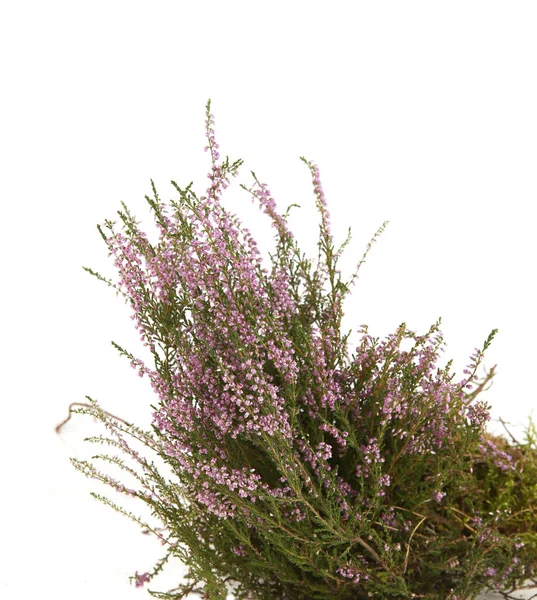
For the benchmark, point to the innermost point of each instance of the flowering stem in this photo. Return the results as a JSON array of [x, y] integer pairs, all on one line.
[[86, 405]]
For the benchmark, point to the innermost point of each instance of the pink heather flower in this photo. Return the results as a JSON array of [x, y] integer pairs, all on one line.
[[321, 199], [384, 480], [437, 496], [296, 515], [268, 204], [501, 459], [370, 456], [389, 518], [350, 572], [141, 579], [239, 550], [490, 572]]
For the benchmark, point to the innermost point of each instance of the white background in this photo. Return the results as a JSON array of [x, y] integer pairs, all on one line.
[[422, 113]]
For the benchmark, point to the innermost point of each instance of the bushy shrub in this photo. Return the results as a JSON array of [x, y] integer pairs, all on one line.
[[296, 470]]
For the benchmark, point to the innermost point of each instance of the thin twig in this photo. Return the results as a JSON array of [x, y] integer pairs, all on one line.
[[85, 405], [482, 386], [365, 545], [408, 545], [464, 515], [515, 441]]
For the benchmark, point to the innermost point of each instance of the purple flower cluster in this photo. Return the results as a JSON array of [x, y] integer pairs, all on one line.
[[140, 579], [501, 459], [352, 573], [214, 377], [398, 387]]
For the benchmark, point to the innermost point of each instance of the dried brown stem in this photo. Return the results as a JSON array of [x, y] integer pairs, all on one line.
[[85, 405], [408, 545], [515, 441]]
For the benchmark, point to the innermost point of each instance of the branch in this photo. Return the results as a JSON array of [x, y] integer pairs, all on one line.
[[85, 405]]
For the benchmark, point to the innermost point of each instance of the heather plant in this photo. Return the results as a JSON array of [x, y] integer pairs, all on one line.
[[279, 463]]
